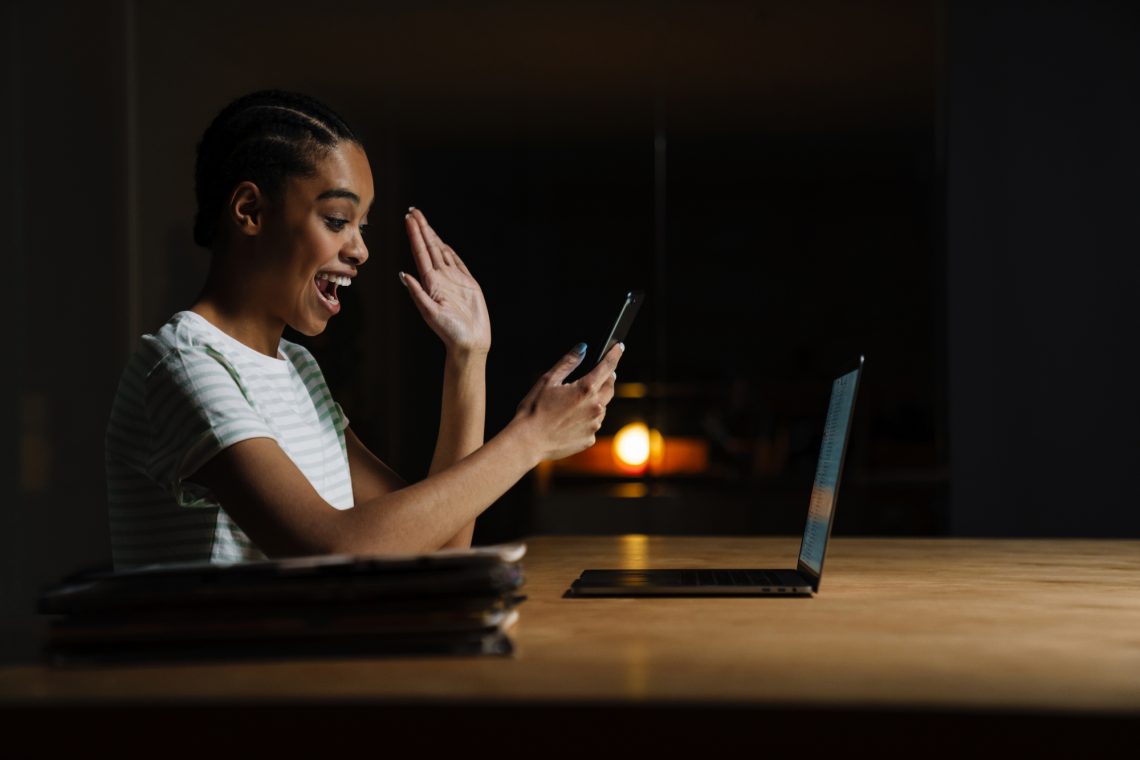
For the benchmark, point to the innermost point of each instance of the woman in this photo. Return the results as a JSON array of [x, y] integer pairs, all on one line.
[[224, 442]]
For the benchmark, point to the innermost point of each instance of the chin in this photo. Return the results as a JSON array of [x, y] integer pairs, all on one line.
[[310, 329]]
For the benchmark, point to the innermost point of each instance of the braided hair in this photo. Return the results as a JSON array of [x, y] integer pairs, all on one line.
[[264, 137]]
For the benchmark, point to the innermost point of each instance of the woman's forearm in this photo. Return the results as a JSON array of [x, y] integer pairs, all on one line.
[[462, 410], [461, 421], [425, 515], [278, 507]]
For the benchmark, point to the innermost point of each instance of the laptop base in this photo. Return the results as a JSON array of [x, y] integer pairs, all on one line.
[[686, 582]]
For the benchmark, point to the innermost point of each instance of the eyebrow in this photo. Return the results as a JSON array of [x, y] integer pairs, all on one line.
[[340, 192]]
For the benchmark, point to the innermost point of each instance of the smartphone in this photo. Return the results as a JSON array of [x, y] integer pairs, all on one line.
[[623, 322]]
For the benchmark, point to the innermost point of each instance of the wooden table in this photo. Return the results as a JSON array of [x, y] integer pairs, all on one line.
[[940, 643]]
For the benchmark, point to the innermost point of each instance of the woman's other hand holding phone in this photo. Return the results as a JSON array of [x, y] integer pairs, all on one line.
[[563, 419]]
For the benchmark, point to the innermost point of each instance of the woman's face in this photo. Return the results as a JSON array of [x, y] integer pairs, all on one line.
[[313, 237]]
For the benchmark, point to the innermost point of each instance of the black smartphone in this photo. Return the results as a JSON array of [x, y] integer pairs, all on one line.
[[622, 324]]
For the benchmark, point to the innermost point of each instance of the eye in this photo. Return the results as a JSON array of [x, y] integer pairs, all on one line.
[[335, 224], [363, 229]]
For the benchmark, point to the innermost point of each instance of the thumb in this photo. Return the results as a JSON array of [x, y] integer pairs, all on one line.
[[567, 364]]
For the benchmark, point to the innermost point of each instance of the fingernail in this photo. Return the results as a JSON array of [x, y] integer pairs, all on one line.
[[407, 214], [402, 280], [580, 348], [411, 209], [614, 374], [621, 347]]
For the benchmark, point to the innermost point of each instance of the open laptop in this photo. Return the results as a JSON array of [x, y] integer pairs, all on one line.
[[804, 580]]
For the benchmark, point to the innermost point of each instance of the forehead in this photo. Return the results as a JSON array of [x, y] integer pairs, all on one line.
[[345, 167]]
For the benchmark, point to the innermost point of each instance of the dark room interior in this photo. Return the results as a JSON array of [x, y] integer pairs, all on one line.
[[946, 188]]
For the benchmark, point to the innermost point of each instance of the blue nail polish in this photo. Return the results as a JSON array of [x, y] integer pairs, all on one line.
[[580, 348]]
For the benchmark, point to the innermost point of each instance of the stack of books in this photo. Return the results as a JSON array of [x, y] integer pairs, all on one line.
[[446, 603]]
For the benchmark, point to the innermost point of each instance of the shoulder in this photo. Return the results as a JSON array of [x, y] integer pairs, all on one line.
[[185, 333], [171, 343], [169, 370], [189, 332], [187, 358]]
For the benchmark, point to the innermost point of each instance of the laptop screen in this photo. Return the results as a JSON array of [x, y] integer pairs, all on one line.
[[828, 471]]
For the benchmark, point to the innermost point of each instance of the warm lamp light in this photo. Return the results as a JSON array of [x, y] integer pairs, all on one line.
[[631, 445], [636, 447]]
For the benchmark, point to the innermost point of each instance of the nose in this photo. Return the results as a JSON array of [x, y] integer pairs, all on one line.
[[355, 251]]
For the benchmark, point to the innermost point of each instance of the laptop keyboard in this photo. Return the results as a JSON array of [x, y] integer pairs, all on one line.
[[731, 578]]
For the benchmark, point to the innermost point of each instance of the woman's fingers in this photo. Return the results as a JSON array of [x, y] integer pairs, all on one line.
[[572, 414], [420, 297], [420, 251], [605, 369], [431, 240], [567, 364], [458, 262], [555, 376], [430, 247], [606, 394]]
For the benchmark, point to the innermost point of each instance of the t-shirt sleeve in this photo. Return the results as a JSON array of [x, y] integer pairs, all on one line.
[[197, 406]]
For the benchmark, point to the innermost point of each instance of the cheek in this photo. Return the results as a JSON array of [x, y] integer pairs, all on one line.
[[320, 246]]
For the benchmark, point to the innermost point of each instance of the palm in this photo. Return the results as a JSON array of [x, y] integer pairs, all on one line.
[[446, 293]]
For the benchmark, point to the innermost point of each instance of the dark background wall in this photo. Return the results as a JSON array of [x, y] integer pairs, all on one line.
[[950, 190], [65, 233], [1043, 268]]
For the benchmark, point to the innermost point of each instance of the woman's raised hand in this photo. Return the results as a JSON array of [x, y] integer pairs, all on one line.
[[564, 418], [447, 296]]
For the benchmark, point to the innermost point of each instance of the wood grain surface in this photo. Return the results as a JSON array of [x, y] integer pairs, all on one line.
[[1022, 625]]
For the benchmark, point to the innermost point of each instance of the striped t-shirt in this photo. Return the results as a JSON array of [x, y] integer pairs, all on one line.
[[189, 391]]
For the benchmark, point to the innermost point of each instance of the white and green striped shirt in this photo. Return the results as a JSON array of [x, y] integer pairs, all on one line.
[[188, 392]]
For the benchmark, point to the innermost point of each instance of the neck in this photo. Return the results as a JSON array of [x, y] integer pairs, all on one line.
[[238, 315]]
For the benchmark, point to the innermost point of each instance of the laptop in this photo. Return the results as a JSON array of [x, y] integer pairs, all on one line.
[[804, 580]]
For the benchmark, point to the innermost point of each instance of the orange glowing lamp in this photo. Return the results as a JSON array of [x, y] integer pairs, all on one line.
[[636, 448]]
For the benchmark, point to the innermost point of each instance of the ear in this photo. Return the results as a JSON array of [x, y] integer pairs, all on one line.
[[246, 209]]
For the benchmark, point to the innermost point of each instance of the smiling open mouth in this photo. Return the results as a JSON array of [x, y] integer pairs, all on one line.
[[326, 288], [327, 284]]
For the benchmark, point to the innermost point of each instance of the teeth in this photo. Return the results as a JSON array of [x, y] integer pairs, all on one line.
[[339, 279]]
